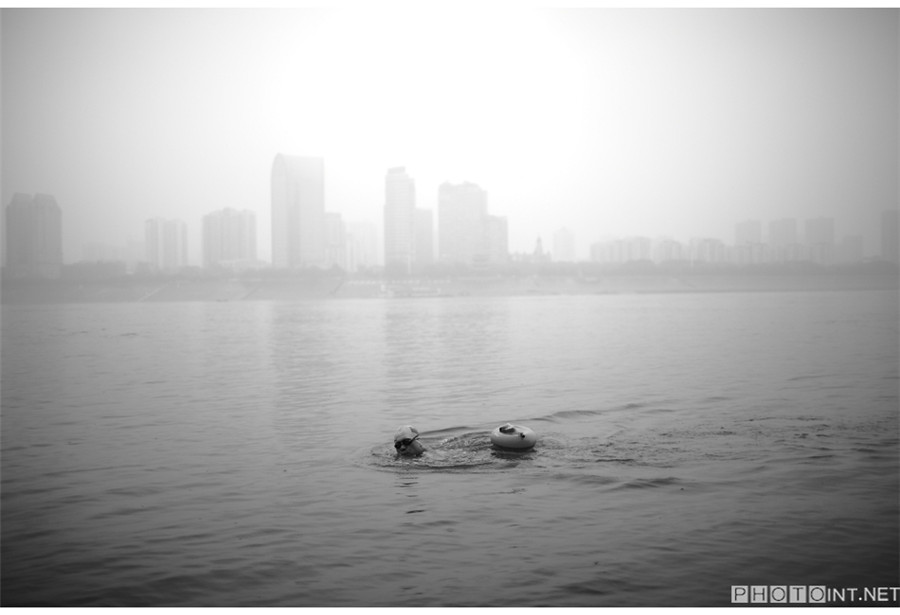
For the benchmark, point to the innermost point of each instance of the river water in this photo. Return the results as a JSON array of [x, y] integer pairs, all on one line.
[[240, 453]]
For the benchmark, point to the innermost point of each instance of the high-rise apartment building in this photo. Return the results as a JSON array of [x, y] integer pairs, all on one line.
[[462, 213], [335, 241], [748, 242], [890, 248], [298, 211], [636, 249], [166, 245], [362, 245], [707, 250], [229, 239], [33, 237], [564, 246], [399, 220], [667, 250]]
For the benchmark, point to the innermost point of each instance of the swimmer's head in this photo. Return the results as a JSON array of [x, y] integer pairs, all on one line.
[[406, 441]]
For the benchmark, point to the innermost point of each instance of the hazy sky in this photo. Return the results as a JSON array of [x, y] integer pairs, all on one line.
[[609, 122]]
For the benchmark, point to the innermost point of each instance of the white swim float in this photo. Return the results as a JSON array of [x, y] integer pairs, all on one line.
[[513, 437]]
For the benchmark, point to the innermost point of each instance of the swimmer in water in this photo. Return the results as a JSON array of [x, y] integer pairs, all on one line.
[[405, 441]]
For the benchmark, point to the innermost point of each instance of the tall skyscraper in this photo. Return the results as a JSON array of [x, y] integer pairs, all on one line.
[[335, 241], [748, 245], [33, 237], [462, 212], [890, 248], [166, 244], [362, 245], [298, 211], [399, 220], [229, 239]]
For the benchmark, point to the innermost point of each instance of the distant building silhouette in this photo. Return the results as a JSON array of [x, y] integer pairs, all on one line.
[[33, 237], [462, 209], [298, 211], [362, 246], [466, 233], [399, 221], [668, 250], [229, 239], [166, 245], [748, 242], [619, 251], [707, 250], [538, 255], [890, 247], [748, 249], [335, 241]]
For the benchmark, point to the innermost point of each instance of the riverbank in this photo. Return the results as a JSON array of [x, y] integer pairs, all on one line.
[[341, 287]]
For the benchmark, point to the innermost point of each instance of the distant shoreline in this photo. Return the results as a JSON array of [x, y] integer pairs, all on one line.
[[265, 288]]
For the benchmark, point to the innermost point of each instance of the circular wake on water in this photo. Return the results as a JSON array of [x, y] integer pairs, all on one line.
[[631, 440], [469, 451]]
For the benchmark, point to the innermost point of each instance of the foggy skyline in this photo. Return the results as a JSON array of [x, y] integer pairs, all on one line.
[[608, 122]]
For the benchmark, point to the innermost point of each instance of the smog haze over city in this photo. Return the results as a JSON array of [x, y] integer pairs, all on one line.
[[609, 122], [292, 316]]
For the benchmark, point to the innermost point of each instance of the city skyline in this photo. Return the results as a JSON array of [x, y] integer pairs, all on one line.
[[612, 122], [580, 247], [475, 238]]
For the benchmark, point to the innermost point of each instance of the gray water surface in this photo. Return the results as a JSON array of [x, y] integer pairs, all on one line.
[[193, 454]]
